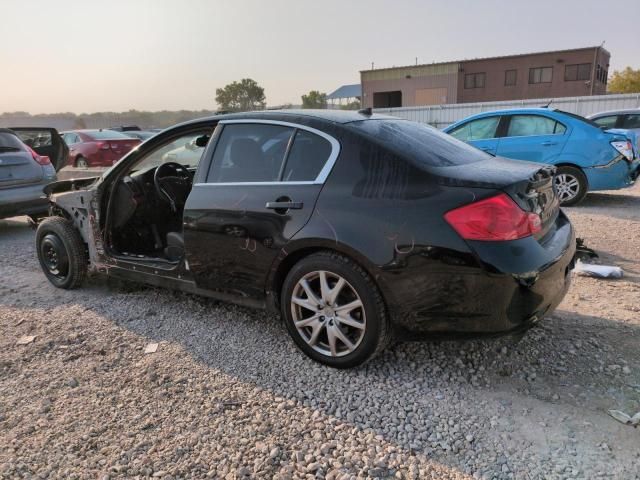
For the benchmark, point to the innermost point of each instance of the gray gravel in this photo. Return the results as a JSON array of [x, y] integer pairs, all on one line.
[[227, 394]]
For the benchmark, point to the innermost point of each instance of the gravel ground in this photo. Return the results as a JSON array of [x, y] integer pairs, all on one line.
[[227, 395]]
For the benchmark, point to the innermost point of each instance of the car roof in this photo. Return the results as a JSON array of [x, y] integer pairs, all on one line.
[[331, 116], [507, 111], [614, 112]]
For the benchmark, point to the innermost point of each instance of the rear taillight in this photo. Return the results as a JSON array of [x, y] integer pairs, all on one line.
[[625, 148], [104, 145], [41, 159], [494, 219]]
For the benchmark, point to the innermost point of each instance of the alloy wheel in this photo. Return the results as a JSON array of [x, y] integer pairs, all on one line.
[[328, 313], [567, 187]]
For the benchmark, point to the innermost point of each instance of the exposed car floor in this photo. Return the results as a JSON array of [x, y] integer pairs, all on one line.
[[227, 394]]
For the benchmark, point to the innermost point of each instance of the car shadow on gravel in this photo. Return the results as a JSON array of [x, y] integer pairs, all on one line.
[[413, 391]]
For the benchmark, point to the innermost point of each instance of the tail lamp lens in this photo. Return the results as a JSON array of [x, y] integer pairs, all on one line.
[[493, 219]]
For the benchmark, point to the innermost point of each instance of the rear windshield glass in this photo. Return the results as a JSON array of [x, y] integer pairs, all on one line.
[[9, 141], [578, 117], [107, 135], [419, 142]]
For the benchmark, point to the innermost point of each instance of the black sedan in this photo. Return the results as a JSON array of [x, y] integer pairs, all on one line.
[[355, 227]]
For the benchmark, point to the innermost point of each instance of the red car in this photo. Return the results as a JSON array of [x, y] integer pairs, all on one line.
[[97, 148]]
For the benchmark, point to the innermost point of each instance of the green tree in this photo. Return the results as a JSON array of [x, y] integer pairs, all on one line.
[[625, 81], [241, 96], [314, 99]]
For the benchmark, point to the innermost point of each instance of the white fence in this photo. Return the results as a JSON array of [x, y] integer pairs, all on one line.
[[442, 115]]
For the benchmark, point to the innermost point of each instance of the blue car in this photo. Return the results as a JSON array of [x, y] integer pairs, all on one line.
[[586, 156]]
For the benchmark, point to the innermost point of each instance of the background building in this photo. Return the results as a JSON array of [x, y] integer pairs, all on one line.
[[562, 73]]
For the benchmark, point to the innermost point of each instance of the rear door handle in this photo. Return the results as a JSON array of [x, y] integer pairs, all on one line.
[[284, 205], [548, 144], [486, 149]]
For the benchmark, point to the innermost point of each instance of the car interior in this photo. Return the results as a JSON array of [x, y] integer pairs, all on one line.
[[147, 203], [145, 212]]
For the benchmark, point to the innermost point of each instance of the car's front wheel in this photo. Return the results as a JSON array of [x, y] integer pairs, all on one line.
[[334, 311], [61, 252], [570, 185]]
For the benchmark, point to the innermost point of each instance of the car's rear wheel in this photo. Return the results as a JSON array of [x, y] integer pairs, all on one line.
[[334, 311], [570, 185], [61, 252], [81, 162]]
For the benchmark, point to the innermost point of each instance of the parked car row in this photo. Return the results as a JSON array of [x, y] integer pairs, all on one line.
[[587, 157]]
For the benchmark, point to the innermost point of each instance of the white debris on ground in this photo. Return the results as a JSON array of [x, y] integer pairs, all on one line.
[[231, 397], [598, 271]]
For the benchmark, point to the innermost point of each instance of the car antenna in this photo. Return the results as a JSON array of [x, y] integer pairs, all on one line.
[[547, 105], [366, 111]]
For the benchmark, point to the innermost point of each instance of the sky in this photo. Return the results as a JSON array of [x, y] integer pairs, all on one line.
[[85, 56]]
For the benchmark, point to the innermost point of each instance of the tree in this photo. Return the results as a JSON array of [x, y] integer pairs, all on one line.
[[626, 81], [314, 99], [241, 96]]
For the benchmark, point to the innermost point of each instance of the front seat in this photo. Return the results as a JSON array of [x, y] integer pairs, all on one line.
[[174, 250], [248, 162]]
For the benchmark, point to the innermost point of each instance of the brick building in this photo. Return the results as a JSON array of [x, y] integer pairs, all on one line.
[[562, 73]]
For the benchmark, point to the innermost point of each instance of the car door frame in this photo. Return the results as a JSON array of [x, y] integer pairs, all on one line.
[[505, 122], [257, 289], [57, 142]]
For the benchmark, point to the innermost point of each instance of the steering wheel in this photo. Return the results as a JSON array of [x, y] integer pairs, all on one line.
[[172, 182]]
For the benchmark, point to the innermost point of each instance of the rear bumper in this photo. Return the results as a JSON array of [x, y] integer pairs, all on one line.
[[613, 176], [24, 200], [494, 299]]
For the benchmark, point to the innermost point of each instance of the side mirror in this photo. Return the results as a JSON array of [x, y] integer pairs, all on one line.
[[202, 141]]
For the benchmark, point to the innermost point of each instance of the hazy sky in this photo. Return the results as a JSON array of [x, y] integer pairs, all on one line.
[[89, 55]]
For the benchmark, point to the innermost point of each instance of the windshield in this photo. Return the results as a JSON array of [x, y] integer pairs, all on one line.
[[419, 142], [8, 141], [107, 135]]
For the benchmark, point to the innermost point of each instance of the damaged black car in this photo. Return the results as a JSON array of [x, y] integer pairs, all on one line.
[[356, 228]]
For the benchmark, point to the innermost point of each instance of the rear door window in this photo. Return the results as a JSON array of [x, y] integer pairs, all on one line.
[[71, 138], [533, 125], [308, 155], [35, 138], [250, 152], [480, 129], [632, 121], [607, 122]]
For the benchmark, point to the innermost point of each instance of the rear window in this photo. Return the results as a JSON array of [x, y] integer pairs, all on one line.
[[9, 141], [107, 135], [425, 145], [578, 117]]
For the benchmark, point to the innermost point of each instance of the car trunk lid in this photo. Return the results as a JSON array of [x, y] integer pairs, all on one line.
[[18, 168], [529, 184]]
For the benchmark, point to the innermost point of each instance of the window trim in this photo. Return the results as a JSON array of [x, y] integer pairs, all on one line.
[[322, 175], [475, 75], [496, 132], [555, 126], [515, 77], [577, 79], [540, 68]]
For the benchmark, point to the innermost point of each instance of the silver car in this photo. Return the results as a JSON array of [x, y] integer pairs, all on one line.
[[24, 173], [628, 119]]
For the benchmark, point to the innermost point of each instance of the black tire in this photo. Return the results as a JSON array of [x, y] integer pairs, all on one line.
[[61, 252], [582, 185], [81, 162], [377, 332]]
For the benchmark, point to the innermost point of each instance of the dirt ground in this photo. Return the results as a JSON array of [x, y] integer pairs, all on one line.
[[227, 395]]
